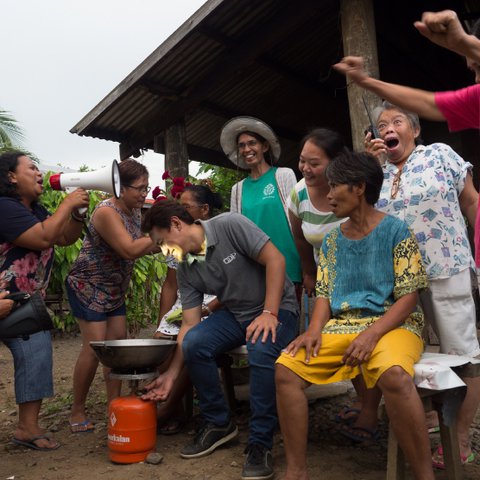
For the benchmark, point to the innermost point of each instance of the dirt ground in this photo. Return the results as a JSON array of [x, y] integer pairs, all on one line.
[[331, 456]]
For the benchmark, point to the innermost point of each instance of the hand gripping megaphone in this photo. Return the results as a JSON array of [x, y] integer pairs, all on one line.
[[106, 179]]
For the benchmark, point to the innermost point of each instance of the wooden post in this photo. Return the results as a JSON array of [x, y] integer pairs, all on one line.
[[176, 154], [359, 39]]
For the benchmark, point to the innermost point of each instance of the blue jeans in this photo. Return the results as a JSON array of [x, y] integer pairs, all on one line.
[[217, 334], [32, 360]]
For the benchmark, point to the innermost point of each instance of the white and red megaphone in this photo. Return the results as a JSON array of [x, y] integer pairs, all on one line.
[[106, 179]]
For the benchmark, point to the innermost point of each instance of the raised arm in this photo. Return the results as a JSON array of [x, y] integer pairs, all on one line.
[[413, 99], [109, 225], [444, 29], [59, 228]]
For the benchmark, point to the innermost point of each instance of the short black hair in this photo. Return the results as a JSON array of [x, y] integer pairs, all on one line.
[[9, 163], [357, 168], [330, 141], [161, 213], [204, 196]]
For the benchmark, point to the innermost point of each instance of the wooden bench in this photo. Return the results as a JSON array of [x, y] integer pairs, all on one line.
[[445, 403]]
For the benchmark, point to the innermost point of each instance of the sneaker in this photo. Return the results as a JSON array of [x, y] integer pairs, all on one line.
[[259, 463], [208, 438]]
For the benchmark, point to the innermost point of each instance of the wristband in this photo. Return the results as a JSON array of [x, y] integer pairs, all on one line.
[[78, 218], [271, 313]]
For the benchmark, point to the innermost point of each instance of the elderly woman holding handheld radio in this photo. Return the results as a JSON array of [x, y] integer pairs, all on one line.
[[99, 278], [28, 234], [262, 197], [440, 185]]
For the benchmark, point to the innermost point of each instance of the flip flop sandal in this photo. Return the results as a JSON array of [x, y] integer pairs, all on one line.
[[82, 427], [31, 443], [360, 434], [439, 462], [347, 415], [171, 427]]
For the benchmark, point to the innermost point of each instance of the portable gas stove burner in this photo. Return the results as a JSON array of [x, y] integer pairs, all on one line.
[[146, 373]]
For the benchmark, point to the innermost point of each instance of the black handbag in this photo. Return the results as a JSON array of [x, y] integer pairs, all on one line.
[[29, 315]]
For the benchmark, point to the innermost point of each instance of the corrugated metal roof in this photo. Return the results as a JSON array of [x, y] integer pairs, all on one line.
[[266, 58]]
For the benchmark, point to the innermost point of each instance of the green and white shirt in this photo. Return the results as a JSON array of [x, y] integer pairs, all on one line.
[[315, 224]]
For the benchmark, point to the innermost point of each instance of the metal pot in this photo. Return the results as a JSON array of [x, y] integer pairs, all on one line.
[[132, 354]]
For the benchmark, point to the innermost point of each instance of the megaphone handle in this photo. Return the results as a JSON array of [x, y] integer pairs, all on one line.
[[81, 211]]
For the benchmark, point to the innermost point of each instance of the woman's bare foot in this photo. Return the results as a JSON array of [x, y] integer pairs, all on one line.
[[36, 438]]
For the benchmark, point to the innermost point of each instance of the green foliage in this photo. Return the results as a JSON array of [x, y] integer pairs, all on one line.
[[10, 131], [222, 179], [143, 295], [11, 134]]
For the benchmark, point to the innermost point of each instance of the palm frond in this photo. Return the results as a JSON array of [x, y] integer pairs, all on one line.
[[11, 133]]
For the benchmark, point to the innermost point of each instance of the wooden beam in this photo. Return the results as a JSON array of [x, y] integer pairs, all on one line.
[[270, 63], [125, 150], [176, 153], [233, 61], [359, 38], [147, 65], [227, 114]]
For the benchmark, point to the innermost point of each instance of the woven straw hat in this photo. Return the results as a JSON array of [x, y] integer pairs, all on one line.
[[237, 125]]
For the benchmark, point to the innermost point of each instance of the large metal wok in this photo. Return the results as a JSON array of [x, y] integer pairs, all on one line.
[[132, 354]]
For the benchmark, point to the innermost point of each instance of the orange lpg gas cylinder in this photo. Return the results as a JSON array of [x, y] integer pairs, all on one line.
[[132, 429]]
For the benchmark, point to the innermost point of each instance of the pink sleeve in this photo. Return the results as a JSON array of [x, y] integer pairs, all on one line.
[[461, 108]]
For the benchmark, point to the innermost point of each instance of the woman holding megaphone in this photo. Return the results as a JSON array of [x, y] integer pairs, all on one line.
[[28, 234], [99, 278]]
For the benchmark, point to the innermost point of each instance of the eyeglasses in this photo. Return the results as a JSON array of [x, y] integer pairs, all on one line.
[[144, 190], [250, 143], [188, 207], [396, 184]]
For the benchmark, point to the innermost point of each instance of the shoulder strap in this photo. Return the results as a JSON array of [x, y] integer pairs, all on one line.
[[277, 178], [238, 194]]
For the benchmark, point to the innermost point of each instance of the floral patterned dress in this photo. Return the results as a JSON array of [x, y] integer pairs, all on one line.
[[368, 275], [430, 184], [22, 269], [99, 276]]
